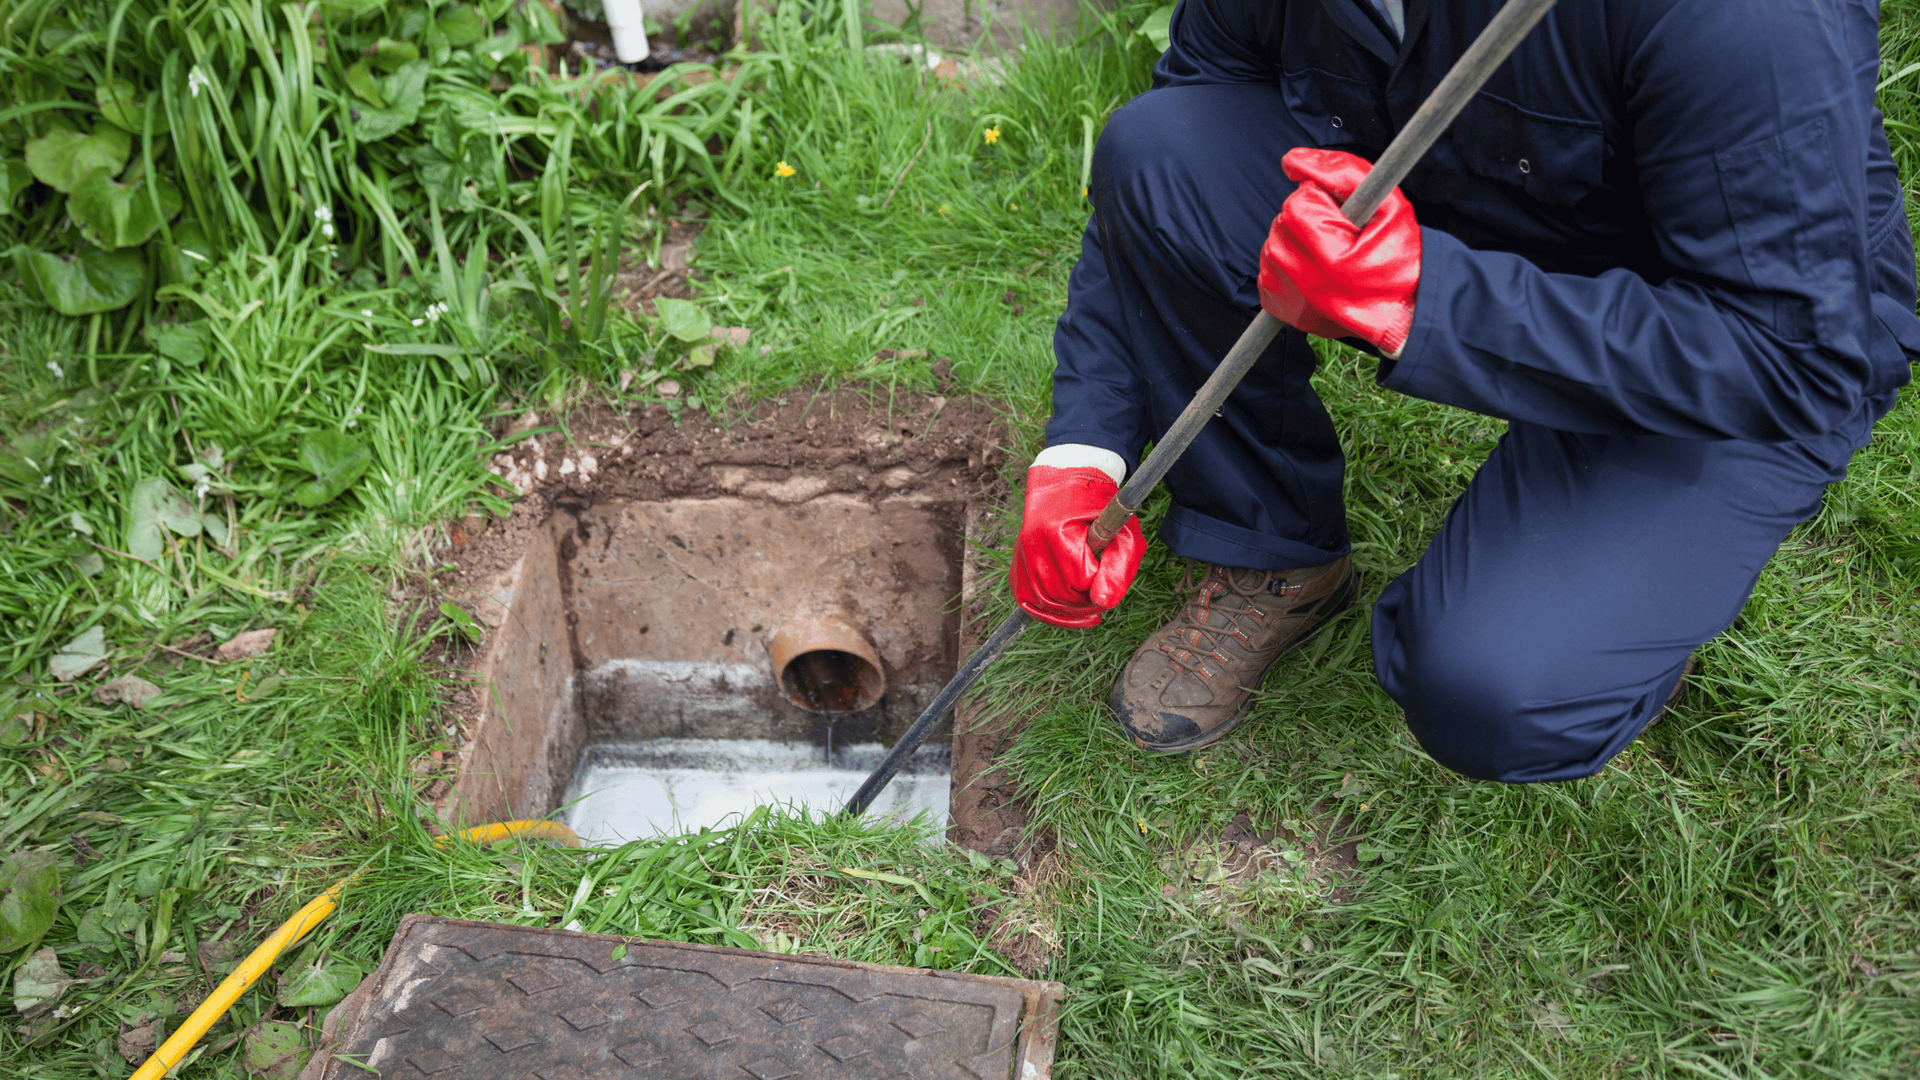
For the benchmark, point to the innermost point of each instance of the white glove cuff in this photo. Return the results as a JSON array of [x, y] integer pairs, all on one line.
[[1081, 456]]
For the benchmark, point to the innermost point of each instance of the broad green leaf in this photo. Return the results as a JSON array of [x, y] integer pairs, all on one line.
[[39, 982], [684, 319], [182, 342], [390, 55], [1157, 28], [14, 179], [148, 879], [192, 253], [61, 158], [29, 896], [155, 507], [701, 355], [216, 527], [124, 106], [495, 50], [84, 283], [90, 564], [275, 1050], [361, 81], [405, 91], [16, 723], [336, 461], [538, 24], [324, 981], [461, 25], [78, 656], [115, 215], [105, 924]]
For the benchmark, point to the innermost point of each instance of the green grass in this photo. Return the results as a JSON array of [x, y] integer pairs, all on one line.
[[1735, 896]]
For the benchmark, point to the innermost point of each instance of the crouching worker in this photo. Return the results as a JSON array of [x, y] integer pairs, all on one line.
[[1665, 244]]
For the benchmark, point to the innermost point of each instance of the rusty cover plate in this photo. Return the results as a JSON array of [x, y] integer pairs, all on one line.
[[461, 1000]]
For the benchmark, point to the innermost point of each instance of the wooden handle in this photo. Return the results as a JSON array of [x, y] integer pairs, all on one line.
[[1108, 525]]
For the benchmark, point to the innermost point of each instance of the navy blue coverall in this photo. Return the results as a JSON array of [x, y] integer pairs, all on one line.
[[1665, 243]]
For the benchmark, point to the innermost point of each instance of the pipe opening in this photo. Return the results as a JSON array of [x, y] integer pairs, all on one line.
[[831, 681], [824, 665]]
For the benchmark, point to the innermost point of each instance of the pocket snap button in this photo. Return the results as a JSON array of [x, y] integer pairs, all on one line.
[[1525, 166], [1337, 123]]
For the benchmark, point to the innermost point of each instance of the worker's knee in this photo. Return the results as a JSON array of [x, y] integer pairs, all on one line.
[[1178, 162], [1139, 154], [1489, 706]]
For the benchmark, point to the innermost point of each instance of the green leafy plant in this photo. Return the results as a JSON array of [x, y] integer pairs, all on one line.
[[336, 461], [87, 282], [29, 897]]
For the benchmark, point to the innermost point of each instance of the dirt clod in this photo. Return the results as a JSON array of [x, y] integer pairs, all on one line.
[[245, 644], [137, 1043]]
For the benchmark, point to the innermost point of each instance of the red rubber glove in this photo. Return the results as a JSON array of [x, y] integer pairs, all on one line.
[[1055, 575], [1320, 274]]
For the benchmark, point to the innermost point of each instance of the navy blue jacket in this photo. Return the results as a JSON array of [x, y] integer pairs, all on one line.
[[1669, 217]]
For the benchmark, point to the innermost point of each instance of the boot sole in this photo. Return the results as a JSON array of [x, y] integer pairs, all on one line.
[[1347, 595]]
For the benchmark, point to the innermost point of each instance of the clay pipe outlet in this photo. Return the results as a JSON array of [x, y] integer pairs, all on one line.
[[824, 665]]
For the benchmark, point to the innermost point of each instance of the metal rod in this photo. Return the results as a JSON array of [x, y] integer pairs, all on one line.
[[1468, 74], [962, 681]]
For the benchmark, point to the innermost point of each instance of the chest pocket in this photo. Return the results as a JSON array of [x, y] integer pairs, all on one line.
[[1557, 162], [1335, 111]]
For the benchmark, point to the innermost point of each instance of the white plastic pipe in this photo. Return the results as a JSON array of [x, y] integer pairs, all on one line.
[[629, 31]]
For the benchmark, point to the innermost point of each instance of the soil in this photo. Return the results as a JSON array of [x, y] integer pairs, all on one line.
[[637, 283], [791, 449], [1217, 869], [1025, 929]]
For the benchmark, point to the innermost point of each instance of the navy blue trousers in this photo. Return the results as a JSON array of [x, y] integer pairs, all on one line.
[[1551, 615]]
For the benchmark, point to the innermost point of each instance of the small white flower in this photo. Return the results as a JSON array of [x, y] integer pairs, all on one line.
[[497, 55], [58, 371], [200, 490], [353, 423], [323, 214], [368, 312], [417, 322], [326, 231], [45, 480], [197, 79]]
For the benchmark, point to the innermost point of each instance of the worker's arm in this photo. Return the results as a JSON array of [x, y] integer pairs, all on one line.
[[1753, 137]]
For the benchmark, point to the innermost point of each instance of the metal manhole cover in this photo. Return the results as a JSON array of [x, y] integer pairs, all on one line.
[[459, 1000]]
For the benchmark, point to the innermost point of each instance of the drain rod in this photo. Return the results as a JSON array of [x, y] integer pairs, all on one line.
[[1468, 74]]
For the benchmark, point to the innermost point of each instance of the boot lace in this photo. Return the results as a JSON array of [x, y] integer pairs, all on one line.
[[1198, 641]]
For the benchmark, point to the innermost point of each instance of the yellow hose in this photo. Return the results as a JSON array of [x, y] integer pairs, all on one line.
[[261, 959]]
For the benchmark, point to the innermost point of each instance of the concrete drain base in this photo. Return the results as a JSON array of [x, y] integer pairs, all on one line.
[[459, 1000], [631, 791]]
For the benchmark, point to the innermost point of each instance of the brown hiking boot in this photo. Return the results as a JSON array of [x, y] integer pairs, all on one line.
[[1193, 679]]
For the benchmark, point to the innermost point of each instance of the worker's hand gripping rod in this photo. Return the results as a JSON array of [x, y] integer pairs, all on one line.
[[1487, 53]]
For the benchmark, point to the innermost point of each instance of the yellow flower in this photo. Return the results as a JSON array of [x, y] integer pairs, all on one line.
[[993, 134], [943, 208], [783, 170]]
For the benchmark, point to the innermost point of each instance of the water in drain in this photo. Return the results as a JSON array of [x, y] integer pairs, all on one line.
[[632, 790]]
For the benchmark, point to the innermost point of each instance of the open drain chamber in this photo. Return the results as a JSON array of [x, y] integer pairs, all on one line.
[[658, 666]]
